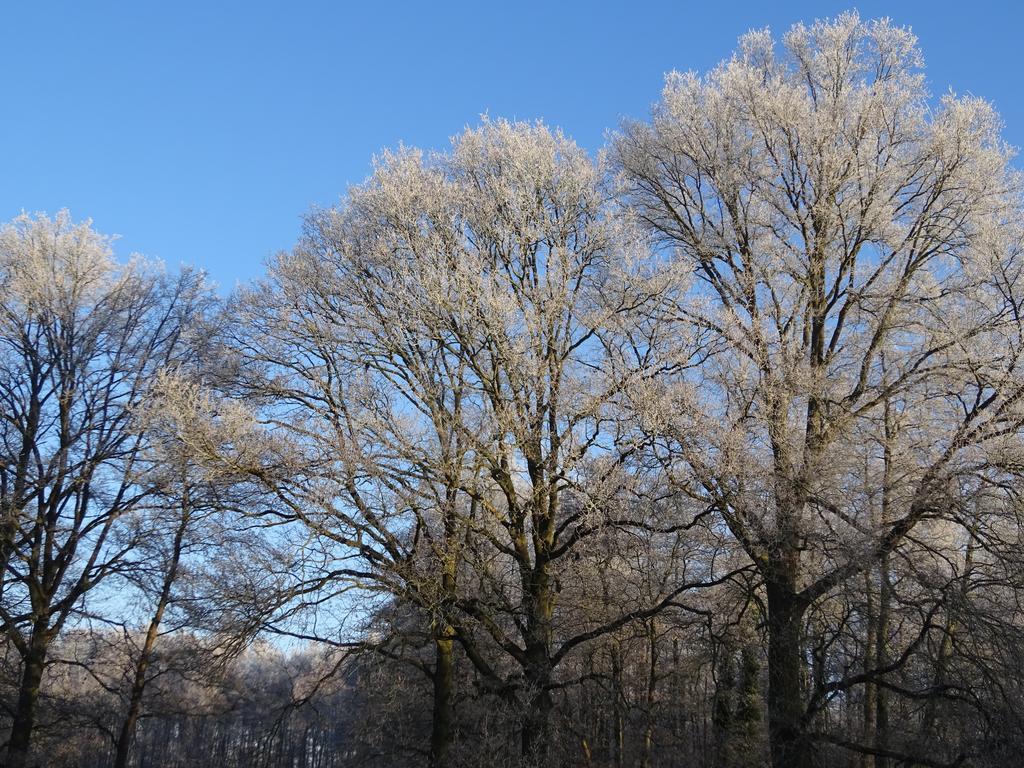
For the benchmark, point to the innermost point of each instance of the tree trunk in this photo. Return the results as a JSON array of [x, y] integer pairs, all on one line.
[[870, 688], [789, 747], [443, 705], [882, 659], [127, 735], [723, 706], [618, 717], [443, 715], [537, 721], [652, 684], [748, 705], [884, 600], [131, 719], [28, 696]]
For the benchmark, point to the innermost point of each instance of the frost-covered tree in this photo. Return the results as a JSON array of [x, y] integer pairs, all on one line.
[[857, 256], [81, 339], [449, 349]]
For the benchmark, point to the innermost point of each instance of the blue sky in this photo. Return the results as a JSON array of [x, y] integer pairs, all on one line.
[[201, 132]]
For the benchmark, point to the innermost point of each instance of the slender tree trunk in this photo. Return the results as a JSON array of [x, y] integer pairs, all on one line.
[[882, 659], [652, 685], [789, 747], [723, 706], [884, 598], [931, 725], [748, 705], [28, 696], [131, 719], [618, 717], [870, 689]]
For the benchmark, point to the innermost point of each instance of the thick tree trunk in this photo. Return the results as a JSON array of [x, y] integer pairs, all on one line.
[[536, 733], [789, 747], [441, 733], [28, 697]]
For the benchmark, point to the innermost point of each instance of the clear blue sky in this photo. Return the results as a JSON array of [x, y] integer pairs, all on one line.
[[201, 132]]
